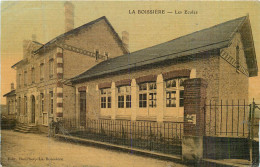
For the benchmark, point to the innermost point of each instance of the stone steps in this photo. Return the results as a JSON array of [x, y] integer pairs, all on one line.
[[24, 128]]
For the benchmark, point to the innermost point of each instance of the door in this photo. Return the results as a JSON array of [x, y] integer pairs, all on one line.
[[33, 110], [82, 101]]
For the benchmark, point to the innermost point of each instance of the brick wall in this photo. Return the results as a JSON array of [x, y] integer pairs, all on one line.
[[98, 36], [206, 67], [234, 82], [194, 101]]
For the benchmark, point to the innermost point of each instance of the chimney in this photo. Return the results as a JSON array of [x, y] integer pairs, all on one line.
[[25, 49], [12, 86], [33, 37], [125, 38], [69, 16]]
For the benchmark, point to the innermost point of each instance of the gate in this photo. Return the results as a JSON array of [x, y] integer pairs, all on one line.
[[227, 118], [231, 130]]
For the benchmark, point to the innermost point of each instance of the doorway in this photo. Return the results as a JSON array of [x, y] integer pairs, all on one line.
[[82, 101]]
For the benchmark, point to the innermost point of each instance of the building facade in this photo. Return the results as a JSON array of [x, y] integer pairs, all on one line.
[[148, 85], [41, 94], [11, 102]]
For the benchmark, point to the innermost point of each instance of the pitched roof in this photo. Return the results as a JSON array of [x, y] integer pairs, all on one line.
[[66, 34], [215, 37], [11, 93]]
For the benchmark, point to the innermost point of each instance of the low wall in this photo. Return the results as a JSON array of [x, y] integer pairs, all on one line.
[[228, 148]]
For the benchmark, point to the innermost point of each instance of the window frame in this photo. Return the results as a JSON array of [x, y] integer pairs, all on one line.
[[19, 80], [33, 75], [41, 71], [51, 68], [178, 89], [82, 107], [105, 98], [41, 104], [147, 95], [25, 78], [25, 105], [19, 106], [123, 94], [51, 102]]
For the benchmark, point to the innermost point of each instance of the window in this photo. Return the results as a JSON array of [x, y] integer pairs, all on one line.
[[51, 102], [33, 75], [19, 81], [105, 98], [237, 57], [25, 105], [174, 92], [109, 102], [51, 68], [42, 103], [147, 95], [9, 107], [82, 102], [42, 72], [121, 101], [25, 78], [124, 96], [19, 106], [97, 53]]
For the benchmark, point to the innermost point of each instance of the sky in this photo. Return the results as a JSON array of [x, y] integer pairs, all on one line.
[[45, 19]]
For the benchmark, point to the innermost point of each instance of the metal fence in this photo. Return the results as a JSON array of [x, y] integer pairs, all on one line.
[[227, 118], [159, 137]]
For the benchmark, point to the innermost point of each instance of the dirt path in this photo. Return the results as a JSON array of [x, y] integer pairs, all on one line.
[[33, 150]]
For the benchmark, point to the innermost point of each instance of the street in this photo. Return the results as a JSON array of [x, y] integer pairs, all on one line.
[[28, 150]]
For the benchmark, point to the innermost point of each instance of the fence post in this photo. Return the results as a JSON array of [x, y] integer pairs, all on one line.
[[254, 153], [194, 119]]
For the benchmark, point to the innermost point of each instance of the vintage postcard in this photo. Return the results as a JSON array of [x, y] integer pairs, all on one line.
[[130, 83]]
